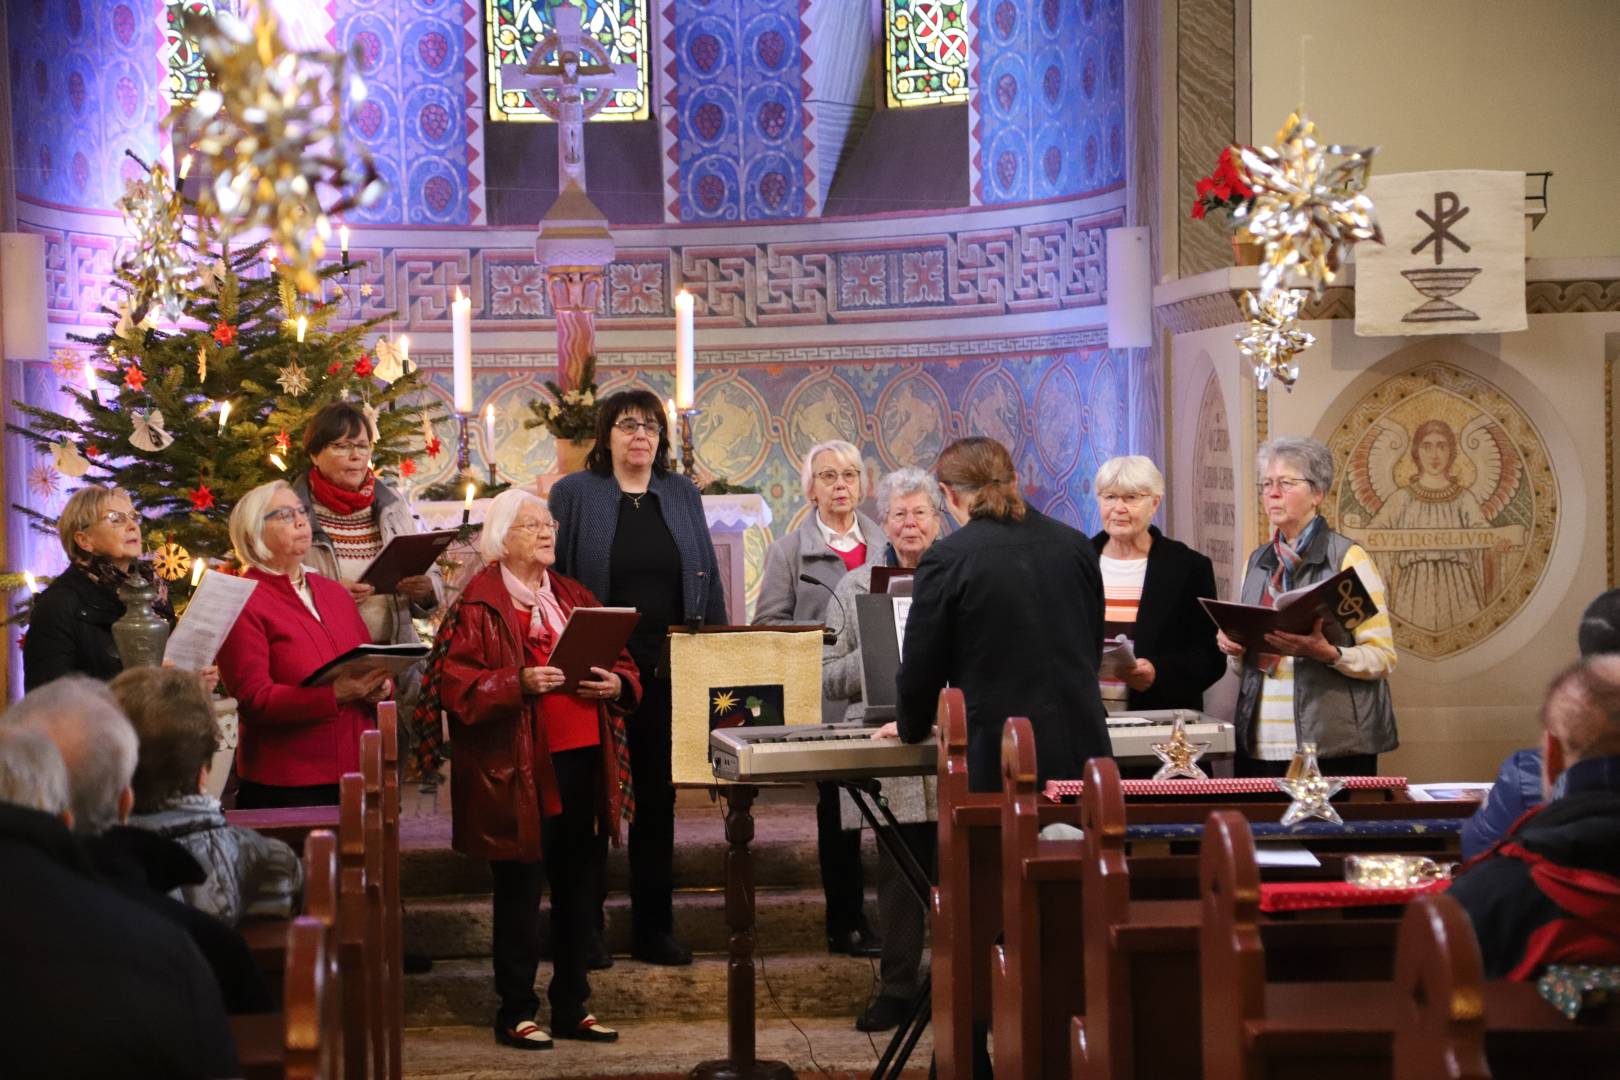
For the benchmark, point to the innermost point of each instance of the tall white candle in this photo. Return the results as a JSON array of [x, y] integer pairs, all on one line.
[[673, 420], [685, 375], [461, 345], [489, 430], [343, 241]]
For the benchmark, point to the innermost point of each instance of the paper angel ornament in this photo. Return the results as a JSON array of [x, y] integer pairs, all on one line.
[[149, 434]]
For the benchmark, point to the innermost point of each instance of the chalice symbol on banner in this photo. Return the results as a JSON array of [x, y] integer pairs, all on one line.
[[1440, 281]]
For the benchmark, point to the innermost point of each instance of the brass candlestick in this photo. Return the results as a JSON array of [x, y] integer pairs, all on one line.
[[463, 450], [688, 457]]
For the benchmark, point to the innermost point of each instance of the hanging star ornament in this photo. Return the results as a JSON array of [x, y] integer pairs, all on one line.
[[65, 364], [1274, 337], [224, 333], [1306, 212], [273, 140], [134, 378], [283, 441], [1309, 789], [201, 498], [1180, 755], [44, 480], [363, 368], [293, 380], [157, 257], [171, 561]]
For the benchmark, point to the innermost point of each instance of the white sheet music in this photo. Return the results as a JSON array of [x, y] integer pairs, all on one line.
[[902, 609], [219, 599]]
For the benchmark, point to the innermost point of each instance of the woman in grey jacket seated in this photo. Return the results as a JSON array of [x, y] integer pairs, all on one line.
[[833, 539], [908, 506]]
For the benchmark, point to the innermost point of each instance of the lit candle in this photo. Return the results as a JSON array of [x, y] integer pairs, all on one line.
[[343, 241], [461, 351], [199, 566], [672, 419], [489, 430], [466, 507], [405, 353], [684, 373], [275, 459], [300, 325], [224, 415], [185, 166], [33, 582]]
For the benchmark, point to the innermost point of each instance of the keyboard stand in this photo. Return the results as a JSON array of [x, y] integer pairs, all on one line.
[[869, 800]]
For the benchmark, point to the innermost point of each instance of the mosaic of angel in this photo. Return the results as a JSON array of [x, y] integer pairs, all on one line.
[[1436, 530]]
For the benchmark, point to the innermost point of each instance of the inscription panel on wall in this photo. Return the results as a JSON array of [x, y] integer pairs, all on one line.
[[1214, 487], [1446, 483]]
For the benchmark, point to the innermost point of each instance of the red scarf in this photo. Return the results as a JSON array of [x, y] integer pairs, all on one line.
[[333, 497]]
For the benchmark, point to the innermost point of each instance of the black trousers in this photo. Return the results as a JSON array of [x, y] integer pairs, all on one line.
[[254, 796], [651, 835], [568, 844], [902, 919], [838, 849], [1348, 765]]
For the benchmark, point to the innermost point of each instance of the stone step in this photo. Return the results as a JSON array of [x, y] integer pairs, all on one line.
[[462, 992], [784, 860], [828, 1048], [786, 921]]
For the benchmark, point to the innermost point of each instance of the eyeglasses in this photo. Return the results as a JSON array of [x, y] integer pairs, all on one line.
[[832, 476], [1282, 485], [921, 516], [117, 517], [349, 449], [535, 526], [630, 426], [1131, 499], [287, 513]]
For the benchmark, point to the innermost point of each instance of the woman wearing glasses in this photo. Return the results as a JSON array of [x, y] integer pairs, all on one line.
[[833, 539], [1151, 586], [537, 781], [70, 628], [1328, 687], [353, 516], [295, 741], [634, 534]]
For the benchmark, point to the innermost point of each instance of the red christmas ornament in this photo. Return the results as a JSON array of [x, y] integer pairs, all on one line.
[[283, 442], [362, 366], [92, 450], [407, 467], [134, 378], [224, 332], [433, 448], [202, 498], [334, 367]]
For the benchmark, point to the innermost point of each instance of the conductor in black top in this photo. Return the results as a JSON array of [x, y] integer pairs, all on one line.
[[1009, 608]]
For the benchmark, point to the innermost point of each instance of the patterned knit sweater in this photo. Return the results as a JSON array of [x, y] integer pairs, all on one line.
[[357, 539]]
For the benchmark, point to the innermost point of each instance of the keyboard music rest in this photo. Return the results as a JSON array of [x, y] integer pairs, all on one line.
[[1133, 734]]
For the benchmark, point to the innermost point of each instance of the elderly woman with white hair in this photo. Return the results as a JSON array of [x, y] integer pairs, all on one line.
[[1151, 588], [833, 539], [294, 741], [539, 776], [1328, 687]]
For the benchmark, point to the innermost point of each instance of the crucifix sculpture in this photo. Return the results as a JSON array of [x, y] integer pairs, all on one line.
[[575, 245]]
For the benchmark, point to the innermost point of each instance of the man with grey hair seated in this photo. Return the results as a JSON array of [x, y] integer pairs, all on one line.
[[98, 746], [100, 986]]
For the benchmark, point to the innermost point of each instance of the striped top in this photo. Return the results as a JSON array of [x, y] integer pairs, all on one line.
[[1122, 598], [1371, 657], [356, 540]]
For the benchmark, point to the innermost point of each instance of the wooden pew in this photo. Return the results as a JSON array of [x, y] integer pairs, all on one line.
[[393, 911], [356, 944], [378, 960], [1429, 1021]]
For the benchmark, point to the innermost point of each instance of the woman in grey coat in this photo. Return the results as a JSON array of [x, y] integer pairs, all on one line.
[[909, 508], [833, 539]]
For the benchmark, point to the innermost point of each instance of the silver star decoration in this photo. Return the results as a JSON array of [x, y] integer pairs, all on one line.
[[1309, 789], [1180, 756], [1274, 338], [294, 379]]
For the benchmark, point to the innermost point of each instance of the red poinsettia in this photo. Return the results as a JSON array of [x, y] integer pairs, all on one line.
[[407, 467], [283, 441], [135, 378], [1228, 189], [202, 498], [362, 366], [334, 367], [433, 447], [224, 333]]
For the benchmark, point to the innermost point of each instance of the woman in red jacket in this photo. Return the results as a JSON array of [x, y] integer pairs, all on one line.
[[294, 741], [538, 777]]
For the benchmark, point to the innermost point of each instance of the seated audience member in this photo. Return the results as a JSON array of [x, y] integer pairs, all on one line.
[[247, 874], [93, 985], [295, 741], [1518, 783], [98, 746], [1549, 891]]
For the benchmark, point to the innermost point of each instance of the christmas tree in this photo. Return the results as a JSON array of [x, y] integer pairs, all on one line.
[[190, 417]]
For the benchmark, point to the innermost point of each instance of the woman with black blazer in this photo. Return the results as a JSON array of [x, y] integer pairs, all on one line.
[[1151, 586]]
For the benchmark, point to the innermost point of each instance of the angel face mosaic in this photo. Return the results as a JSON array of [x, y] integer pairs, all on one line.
[[1447, 484]]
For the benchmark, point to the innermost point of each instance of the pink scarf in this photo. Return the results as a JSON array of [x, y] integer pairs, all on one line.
[[546, 618]]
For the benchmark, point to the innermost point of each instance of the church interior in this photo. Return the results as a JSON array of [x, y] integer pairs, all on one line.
[[1359, 247]]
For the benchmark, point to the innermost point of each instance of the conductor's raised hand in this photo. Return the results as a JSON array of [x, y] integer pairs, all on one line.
[[605, 686]]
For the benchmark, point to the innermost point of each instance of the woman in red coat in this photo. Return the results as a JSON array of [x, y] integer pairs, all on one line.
[[295, 741], [538, 777]]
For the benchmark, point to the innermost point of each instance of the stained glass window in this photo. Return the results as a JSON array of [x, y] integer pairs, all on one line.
[[181, 58], [925, 51], [515, 27]]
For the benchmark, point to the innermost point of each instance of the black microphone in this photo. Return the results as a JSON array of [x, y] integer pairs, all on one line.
[[828, 636]]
